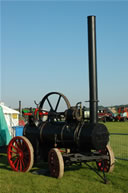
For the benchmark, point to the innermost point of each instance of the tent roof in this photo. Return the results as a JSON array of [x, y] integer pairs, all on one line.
[[7, 110]]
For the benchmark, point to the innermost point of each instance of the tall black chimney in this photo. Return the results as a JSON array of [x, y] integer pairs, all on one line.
[[92, 69]]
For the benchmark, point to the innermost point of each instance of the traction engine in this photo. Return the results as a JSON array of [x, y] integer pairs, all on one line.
[[63, 138]]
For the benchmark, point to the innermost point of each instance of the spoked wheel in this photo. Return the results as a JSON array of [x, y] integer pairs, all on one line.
[[54, 103], [20, 154], [56, 163], [106, 165]]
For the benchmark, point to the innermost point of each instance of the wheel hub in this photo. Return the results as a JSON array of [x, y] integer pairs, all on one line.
[[21, 155]]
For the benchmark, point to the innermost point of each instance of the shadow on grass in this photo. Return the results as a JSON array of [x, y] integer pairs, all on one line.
[[4, 161], [40, 168], [43, 169], [91, 172]]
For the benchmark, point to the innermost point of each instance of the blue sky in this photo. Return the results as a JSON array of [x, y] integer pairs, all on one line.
[[44, 48]]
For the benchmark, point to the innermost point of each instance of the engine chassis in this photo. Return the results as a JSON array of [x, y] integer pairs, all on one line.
[[79, 158]]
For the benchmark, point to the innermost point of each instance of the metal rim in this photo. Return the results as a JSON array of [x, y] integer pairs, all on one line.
[[20, 154], [56, 163], [106, 165]]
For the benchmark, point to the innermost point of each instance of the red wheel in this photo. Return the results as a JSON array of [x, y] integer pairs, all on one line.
[[56, 163], [20, 154], [107, 165]]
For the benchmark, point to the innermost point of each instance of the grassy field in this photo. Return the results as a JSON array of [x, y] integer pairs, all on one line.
[[76, 179], [117, 127], [119, 143]]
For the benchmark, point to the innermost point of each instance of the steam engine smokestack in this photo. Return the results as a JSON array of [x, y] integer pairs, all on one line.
[[92, 69]]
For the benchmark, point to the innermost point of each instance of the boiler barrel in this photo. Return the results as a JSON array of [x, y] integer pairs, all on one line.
[[57, 133], [84, 136]]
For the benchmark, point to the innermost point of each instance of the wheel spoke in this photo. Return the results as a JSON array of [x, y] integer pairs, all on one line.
[[20, 165], [15, 148], [13, 152], [26, 156], [50, 104], [14, 157], [23, 146], [17, 166], [17, 144], [20, 144], [58, 103], [15, 161], [23, 163]]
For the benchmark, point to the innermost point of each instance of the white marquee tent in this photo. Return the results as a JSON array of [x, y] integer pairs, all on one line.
[[11, 117]]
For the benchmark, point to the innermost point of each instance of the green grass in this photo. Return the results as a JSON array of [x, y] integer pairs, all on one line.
[[117, 127], [76, 179]]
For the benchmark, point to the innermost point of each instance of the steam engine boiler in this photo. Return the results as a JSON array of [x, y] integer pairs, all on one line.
[[65, 137]]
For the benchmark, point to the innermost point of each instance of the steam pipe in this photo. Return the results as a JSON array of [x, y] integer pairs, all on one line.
[[92, 69]]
